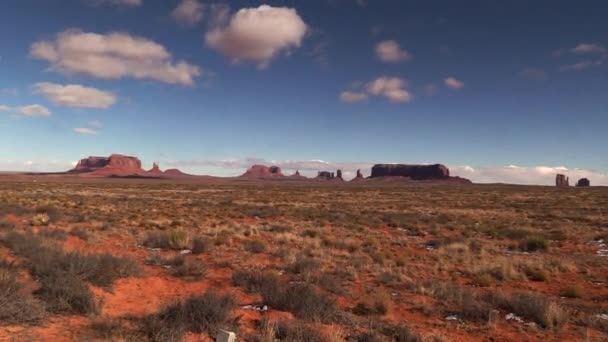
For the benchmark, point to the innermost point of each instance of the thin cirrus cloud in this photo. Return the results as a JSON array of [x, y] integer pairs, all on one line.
[[75, 95], [33, 111], [595, 54], [389, 51], [453, 83], [353, 97], [113, 56], [188, 13], [394, 89], [85, 131], [258, 34]]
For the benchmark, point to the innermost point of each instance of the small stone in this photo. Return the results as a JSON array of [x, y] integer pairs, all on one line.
[[225, 336]]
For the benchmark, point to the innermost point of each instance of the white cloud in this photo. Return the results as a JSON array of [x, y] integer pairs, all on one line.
[[580, 66], [113, 56], [34, 110], [188, 12], [389, 51], [127, 3], [392, 88], [75, 95], [588, 48], [353, 97], [537, 175], [85, 131], [453, 83], [258, 34]]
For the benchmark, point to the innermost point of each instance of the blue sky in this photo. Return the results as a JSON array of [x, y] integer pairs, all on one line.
[[210, 86]]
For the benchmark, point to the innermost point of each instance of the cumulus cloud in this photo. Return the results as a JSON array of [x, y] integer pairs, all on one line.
[[389, 51], [75, 95], [353, 97], [34, 110], [85, 131], [258, 34], [453, 83], [127, 3], [537, 175], [392, 88], [188, 12], [113, 56]]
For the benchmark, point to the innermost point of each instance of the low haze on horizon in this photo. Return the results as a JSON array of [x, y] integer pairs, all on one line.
[[500, 91]]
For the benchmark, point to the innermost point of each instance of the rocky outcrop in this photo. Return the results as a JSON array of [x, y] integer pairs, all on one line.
[[115, 164], [339, 175], [297, 175], [562, 181], [583, 182], [414, 172], [325, 175], [262, 171], [358, 177], [155, 169]]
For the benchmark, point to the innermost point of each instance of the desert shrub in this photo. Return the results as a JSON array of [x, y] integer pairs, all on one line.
[[311, 233], [176, 239], [54, 234], [114, 329], [54, 214], [256, 246], [302, 300], [255, 282], [298, 332], [201, 245], [305, 266], [573, 292], [6, 225], [62, 275], [15, 307], [201, 314], [279, 229], [464, 301], [534, 243], [536, 307], [64, 293], [534, 273], [399, 333], [190, 269], [81, 232], [483, 279]]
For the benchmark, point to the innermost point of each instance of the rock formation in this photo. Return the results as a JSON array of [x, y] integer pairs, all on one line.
[[325, 175], [562, 180], [262, 171], [358, 177], [297, 175], [339, 175], [155, 169], [414, 172], [116, 164], [583, 182]]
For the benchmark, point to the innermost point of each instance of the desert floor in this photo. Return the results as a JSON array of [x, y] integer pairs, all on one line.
[[168, 261]]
